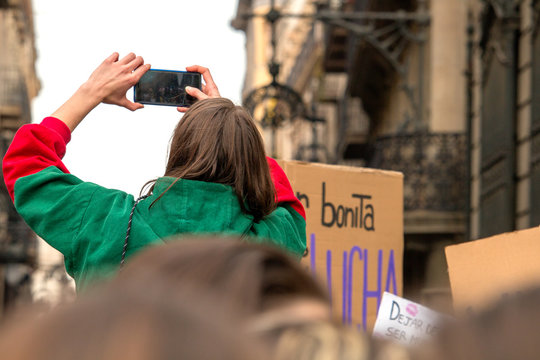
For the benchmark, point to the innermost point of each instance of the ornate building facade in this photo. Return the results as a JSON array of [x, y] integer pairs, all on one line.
[[505, 117], [442, 91]]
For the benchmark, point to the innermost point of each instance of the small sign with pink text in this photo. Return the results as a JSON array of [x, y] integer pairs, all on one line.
[[406, 322]]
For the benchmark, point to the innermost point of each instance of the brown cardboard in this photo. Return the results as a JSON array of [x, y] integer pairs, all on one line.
[[354, 216], [484, 270]]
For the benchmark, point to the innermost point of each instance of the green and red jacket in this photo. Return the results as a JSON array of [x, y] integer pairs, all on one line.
[[87, 223]]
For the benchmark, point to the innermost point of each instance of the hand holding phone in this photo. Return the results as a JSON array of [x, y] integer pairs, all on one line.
[[167, 87], [209, 88]]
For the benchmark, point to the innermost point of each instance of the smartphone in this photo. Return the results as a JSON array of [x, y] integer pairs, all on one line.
[[166, 87]]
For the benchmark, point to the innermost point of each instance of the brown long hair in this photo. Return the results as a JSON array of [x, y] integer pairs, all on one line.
[[217, 141]]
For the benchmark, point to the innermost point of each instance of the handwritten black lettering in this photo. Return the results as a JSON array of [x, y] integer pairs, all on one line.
[[304, 198], [396, 315], [431, 329], [361, 215], [394, 311], [414, 340], [396, 334]]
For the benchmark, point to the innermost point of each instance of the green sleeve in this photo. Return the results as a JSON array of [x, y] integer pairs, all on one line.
[[55, 205]]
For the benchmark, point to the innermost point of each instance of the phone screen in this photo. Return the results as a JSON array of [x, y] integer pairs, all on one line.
[[166, 87]]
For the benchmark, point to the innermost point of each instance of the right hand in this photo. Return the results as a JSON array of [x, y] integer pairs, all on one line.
[[209, 89], [109, 84], [114, 77]]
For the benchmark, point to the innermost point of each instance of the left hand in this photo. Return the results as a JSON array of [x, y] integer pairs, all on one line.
[[209, 88]]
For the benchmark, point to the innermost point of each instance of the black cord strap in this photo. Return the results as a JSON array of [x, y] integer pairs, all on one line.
[[129, 229]]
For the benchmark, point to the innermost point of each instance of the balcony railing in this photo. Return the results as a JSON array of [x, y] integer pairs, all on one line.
[[434, 166]]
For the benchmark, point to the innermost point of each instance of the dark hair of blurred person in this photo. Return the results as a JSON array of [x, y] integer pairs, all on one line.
[[508, 330], [133, 320], [254, 277]]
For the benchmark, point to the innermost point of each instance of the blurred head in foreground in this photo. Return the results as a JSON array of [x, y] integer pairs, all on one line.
[[311, 340], [249, 276], [195, 298], [290, 336], [508, 330], [131, 321]]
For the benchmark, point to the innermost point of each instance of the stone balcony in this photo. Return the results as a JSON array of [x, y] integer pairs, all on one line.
[[435, 178]]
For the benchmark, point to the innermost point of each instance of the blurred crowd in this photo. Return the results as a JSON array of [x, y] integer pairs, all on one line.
[[224, 298]]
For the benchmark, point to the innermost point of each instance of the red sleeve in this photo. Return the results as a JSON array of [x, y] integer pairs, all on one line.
[[284, 191], [34, 148]]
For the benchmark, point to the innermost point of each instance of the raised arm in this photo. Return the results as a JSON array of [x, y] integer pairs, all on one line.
[[36, 147], [108, 84], [52, 201]]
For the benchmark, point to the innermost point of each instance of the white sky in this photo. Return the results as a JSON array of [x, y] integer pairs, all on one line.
[[114, 147]]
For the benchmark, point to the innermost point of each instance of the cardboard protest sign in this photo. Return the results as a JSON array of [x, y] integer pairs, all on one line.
[[482, 271], [406, 322], [354, 234]]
